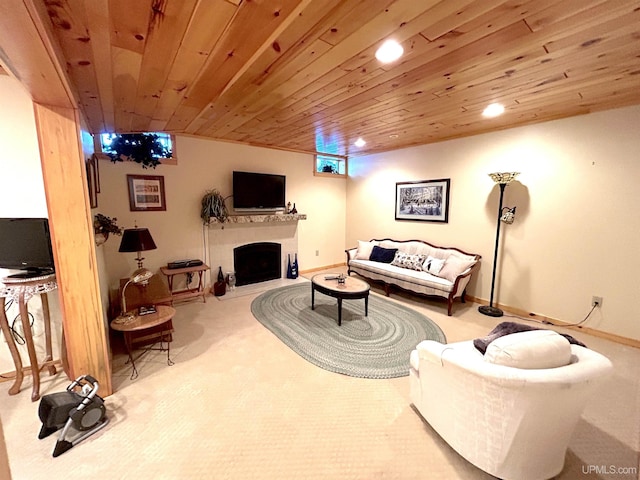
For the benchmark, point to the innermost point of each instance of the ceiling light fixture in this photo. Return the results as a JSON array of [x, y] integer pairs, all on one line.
[[389, 51], [359, 142], [493, 110]]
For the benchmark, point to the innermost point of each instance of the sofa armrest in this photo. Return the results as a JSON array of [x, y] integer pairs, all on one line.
[[351, 253]]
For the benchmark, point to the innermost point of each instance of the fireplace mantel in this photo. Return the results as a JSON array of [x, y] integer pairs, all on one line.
[[285, 217]]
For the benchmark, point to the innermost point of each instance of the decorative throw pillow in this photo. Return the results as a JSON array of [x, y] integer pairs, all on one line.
[[433, 265], [507, 328], [364, 250], [405, 260], [454, 266], [531, 350], [382, 255]]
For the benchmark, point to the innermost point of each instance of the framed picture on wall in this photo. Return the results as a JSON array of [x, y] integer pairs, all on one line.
[[425, 200], [91, 165], [146, 193]]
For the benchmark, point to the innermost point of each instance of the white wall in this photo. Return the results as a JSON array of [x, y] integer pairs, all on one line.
[[576, 226], [22, 195], [206, 164]]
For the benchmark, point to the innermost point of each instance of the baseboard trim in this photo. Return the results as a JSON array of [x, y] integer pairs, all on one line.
[[326, 267], [534, 316]]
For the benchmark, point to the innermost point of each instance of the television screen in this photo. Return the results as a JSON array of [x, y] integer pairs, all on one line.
[[25, 244], [258, 191]]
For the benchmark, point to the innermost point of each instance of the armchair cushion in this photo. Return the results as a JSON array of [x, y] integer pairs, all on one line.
[[529, 350]]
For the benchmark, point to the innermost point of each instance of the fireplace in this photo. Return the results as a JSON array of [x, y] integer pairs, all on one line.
[[257, 262]]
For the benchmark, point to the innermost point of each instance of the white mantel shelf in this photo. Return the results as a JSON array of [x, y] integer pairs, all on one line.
[[285, 217]]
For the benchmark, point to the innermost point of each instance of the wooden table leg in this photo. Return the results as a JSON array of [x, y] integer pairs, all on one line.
[[339, 312], [15, 354], [31, 349], [47, 332]]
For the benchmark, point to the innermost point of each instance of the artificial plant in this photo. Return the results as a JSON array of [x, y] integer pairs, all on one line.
[[213, 206], [143, 148]]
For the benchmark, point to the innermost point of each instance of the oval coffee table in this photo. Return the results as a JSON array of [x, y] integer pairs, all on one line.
[[351, 289]]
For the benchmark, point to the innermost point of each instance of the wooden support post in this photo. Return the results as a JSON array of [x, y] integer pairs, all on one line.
[[71, 225]]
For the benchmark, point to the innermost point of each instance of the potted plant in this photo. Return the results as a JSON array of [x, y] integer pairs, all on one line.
[[103, 226], [213, 206], [142, 148]]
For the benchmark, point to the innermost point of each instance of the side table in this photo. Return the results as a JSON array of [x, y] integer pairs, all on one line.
[[21, 290], [189, 292], [154, 293], [160, 320]]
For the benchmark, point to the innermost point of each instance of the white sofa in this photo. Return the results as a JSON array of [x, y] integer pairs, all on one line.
[[450, 282], [514, 423]]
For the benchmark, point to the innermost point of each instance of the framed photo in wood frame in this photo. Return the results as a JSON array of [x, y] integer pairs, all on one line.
[[146, 193], [92, 180], [424, 200]]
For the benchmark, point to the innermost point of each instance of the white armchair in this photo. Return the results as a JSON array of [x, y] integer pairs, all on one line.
[[513, 423]]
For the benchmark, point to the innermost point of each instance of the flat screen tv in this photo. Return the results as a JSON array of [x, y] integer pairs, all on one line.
[[25, 244], [258, 191]]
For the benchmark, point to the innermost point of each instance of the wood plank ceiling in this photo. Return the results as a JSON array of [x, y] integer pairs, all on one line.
[[301, 74]]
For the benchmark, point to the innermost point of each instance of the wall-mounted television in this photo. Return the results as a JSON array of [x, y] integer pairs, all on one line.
[[25, 244], [258, 191]]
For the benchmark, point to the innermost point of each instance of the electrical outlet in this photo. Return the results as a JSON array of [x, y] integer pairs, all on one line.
[[317, 252], [596, 301]]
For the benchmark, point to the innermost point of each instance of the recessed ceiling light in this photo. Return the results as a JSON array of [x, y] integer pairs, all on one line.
[[394, 135], [493, 110], [389, 51], [359, 143]]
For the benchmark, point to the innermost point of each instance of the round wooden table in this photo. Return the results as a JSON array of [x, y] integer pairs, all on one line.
[[136, 323], [351, 289]]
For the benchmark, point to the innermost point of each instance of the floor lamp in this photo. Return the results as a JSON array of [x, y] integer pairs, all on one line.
[[502, 179]]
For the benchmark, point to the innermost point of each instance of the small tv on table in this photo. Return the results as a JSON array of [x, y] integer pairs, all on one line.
[[25, 244]]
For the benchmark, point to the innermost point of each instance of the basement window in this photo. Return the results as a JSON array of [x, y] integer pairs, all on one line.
[[330, 166], [166, 140]]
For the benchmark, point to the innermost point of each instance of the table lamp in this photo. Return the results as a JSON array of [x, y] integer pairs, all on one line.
[[140, 276], [137, 240]]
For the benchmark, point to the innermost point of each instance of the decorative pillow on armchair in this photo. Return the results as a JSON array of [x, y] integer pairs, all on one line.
[[382, 255], [531, 350], [507, 328]]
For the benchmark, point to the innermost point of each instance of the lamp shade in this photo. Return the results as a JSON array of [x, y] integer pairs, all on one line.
[[503, 177], [136, 240]]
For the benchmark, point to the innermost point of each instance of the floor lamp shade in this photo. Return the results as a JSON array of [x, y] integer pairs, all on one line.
[[502, 179]]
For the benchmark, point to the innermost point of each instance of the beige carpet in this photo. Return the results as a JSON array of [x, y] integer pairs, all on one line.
[[239, 404]]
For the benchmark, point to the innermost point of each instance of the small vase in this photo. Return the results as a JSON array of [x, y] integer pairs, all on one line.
[[220, 287]]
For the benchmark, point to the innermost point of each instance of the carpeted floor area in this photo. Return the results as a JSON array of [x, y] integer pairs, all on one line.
[[374, 346], [239, 404]]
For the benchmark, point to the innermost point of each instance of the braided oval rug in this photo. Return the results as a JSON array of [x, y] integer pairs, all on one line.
[[376, 346]]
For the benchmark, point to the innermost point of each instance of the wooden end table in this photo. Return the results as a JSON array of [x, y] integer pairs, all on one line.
[[21, 290], [188, 293], [138, 324], [351, 289]]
